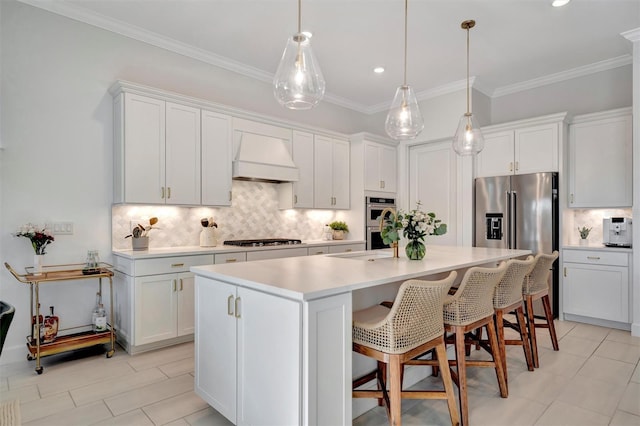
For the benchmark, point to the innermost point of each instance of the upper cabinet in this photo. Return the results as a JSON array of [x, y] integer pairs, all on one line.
[[299, 194], [168, 150], [527, 146], [379, 167], [600, 159], [331, 173]]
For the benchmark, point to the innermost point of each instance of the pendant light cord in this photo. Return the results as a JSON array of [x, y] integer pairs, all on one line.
[[406, 6], [299, 15], [468, 70]]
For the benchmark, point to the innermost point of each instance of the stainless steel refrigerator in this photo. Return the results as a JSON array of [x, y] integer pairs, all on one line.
[[519, 212]]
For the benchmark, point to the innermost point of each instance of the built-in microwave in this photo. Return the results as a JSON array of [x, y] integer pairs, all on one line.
[[373, 211]]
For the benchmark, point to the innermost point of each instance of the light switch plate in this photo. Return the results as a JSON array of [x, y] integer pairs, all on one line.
[[62, 228]]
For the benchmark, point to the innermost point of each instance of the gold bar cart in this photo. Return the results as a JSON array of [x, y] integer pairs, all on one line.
[[73, 340]]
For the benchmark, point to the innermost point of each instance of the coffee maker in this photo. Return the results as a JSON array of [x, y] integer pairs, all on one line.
[[617, 231]]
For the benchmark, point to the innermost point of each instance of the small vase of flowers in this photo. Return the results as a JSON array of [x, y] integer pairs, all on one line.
[[584, 235], [339, 228], [415, 225], [40, 238]]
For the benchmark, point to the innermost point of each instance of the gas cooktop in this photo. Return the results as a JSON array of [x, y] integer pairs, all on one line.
[[263, 242]]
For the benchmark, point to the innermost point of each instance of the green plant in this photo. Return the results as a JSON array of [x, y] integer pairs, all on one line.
[[584, 232], [415, 225], [339, 226]]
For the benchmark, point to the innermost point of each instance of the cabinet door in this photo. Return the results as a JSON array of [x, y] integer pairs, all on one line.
[[155, 308], [496, 159], [303, 159], [536, 149], [186, 301], [341, 183], [388, 162], [182, 155], [596, 291], [216, 145], [372, 178], [144, 149], [600, 163], [345, 248], [429, 163], [322, 173], [269, 342], [215, 346]]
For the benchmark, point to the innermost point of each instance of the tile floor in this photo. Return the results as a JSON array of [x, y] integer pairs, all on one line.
[[593, 380]]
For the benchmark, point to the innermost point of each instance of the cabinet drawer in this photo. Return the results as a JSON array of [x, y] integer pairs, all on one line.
[[312, 251], [276, 253], [596, 257], [346, 248], [230, 257], [166, 265]]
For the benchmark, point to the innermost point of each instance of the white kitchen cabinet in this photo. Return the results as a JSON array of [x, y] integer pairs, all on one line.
[[276, 253], [346, 248], [230, 257], [379, 167], [596, 285], [600, 160], [299, 194], [248, 341], [522, 147], [331, 173], [216, 146], [157, 151], [155, 300], [316, 250]]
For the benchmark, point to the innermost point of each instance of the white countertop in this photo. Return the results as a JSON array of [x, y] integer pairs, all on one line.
[[600, 247], [313, 277], [195, 250]]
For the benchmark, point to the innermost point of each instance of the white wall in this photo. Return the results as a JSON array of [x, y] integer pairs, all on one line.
[[56, 123], [592, 93]]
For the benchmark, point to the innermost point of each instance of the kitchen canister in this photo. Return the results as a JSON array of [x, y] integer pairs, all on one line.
[[209, 237]]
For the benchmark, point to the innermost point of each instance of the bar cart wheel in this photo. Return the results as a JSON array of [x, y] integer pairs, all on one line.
[[30, 358], [39, 369], [110, 353]]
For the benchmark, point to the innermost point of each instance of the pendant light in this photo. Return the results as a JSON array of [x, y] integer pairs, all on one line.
[[404, 120], [468, 139], [298, 83]]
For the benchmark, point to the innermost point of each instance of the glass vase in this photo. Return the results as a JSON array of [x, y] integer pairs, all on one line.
[[415, 250]]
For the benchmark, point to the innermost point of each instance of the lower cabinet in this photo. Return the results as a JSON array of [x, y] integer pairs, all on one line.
[[247, 342], [596, 284], [346, 248], [154, 300]]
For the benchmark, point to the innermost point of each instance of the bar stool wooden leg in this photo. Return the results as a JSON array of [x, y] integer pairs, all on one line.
[[448, 384], [382, 380], [549, 315], [524, 336], [501, 343], [395, 368], [461, 368], [532, 330], [497, 359]]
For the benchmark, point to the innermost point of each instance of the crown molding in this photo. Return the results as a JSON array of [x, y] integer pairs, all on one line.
[[605, 65], [632, 35]]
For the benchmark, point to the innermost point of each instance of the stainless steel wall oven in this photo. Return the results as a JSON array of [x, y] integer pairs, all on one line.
[[373, 211]]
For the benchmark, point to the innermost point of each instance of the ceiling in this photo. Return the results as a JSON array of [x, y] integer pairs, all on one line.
[[516, 44]]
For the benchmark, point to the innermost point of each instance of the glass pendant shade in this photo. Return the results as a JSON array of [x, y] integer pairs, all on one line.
[[468, 139], [298, 83], [404, 120]]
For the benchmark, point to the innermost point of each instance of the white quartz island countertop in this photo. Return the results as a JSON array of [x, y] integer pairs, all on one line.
[[313, 277]]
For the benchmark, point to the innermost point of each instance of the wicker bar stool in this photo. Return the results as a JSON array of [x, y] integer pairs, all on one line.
[[470, 308], [508, 298], [393, 336], [536, 286]]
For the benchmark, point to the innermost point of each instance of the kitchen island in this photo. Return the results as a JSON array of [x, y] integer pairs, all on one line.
[[273, 337]]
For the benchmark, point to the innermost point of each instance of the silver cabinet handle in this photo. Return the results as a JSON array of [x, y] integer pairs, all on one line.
[[565, 271], [168, 192], [181, 286], [571, 198], [517, 166], [162, 196], [593, 257], [230, 195], [511, 166], [174, 285], [231, 260], [237, 306], [229, 308], [347, 250], [177, 265]]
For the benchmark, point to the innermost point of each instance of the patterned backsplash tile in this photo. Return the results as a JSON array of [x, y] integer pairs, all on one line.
[[254, 214], [592, 218]]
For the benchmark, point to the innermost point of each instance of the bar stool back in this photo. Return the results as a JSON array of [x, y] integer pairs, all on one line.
[[393, 336], [536, 286]]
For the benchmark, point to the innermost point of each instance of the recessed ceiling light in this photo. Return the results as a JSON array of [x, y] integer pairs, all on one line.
[[378, 70], [559, 3]]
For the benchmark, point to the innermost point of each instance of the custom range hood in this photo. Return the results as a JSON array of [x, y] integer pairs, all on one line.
[[262, 158]]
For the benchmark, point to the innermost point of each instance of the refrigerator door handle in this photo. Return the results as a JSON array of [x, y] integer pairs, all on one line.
[[508, 221], [513, 217]]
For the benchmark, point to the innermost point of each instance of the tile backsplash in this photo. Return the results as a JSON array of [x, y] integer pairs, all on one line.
[[591, 218], [254, 214]]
